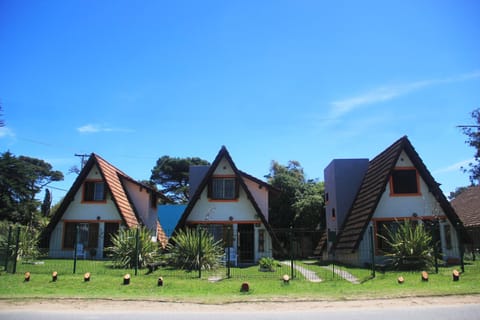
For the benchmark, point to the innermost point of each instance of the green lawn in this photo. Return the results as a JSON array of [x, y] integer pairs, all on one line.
[[108, 283]]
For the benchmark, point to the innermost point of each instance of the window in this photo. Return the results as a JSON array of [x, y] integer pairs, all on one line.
[[334, 215], [404, 182], [223, 188], [87, 234], [94, 191], [69, 235], [222, 233], [153, 200]]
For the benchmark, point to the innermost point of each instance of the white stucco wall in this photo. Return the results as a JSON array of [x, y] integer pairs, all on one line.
[[260, 194], [79, 211], [398, 207], [141, 200], [206, 210], [234, 212], [223, 168], [422, 205]]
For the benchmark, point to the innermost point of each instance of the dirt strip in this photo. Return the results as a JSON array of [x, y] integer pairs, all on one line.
[[275, 306]]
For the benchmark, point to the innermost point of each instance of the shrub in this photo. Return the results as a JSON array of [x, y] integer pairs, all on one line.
[[267, 264], [124, 245], [411, 246], [28, 241], [28, 245], [188, 243]]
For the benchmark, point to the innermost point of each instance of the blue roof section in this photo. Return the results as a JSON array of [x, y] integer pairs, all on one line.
[[169, 215]]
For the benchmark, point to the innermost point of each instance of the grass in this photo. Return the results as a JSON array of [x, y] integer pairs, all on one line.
[[108, 283]]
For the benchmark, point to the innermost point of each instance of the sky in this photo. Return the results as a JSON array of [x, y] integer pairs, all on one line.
[[300, 80]]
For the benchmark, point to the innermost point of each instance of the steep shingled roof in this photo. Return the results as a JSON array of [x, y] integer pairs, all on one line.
[[467, 206], [374, 183], [114, 179], [223, 153]]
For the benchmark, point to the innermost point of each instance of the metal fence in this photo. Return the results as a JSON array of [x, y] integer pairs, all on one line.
[[10, 249], [292, 251]]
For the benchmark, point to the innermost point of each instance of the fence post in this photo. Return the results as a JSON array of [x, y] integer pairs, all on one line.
[[199, 252], [7, 249], [229, 245], [16, 251], [462, 254], [291, 254], [332, 237], [372, 250], [458, 230], [137, 246], [75, 243], [228, 262], [436, 240]]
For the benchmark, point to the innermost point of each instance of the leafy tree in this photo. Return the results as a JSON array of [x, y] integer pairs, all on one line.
[[309, 206], [21, 179], [454, 194], [300, 203], [289, 180], [410, 246], [186, 245], [123, 249], [171, 174], [47, 203], [473, 134]]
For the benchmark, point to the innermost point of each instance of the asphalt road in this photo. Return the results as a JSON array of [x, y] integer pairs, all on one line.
[[434, 312]]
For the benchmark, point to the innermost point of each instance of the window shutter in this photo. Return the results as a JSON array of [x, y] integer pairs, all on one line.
[[88, 191], [93, 235], [69, 235], [209, 189], [237, 188]]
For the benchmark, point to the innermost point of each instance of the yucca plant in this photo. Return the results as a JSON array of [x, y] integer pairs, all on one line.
[[192, 249], [28, 244], [28, 240], [123, 249], [410, 246]]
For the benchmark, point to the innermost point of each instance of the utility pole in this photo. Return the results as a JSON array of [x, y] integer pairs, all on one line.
[[83, 156]]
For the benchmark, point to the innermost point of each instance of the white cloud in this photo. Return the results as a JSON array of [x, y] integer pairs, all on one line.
[[386, 93], [96, 128], [454, 167], [6, 132]]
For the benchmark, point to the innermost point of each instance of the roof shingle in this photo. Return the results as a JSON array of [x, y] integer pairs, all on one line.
[[467, 206]]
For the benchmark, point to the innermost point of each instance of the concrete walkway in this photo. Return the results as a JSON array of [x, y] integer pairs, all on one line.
[[344, 274], [312, 276], [308, 274]]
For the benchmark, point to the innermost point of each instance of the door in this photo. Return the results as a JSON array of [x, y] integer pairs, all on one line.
[[246, 243]]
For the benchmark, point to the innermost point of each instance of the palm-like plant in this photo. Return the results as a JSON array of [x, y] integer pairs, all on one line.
[[28, 244], [410, 246], [124, 248], [192, 249]]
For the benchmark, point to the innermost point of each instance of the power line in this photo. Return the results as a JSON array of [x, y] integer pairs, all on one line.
[[60, 189]]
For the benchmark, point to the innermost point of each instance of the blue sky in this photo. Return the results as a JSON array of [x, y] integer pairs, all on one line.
[[271, 80]]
